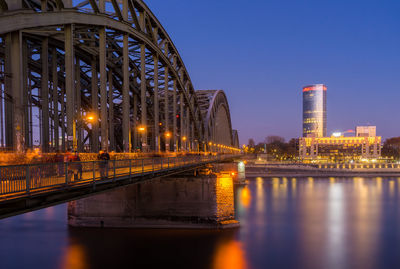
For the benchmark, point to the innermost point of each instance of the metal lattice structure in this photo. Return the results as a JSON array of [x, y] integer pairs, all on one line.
[[62, 60], [214, 108]]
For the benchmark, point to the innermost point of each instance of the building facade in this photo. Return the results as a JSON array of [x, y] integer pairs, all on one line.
[[366, 131], [314, 111], [338, 149]]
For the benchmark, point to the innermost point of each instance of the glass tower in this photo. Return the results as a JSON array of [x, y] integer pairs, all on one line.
[[314, 110]]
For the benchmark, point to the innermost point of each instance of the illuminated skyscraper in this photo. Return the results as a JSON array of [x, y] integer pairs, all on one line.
[[314, 110]]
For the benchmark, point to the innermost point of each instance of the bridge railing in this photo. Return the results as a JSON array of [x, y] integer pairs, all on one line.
[[17, 179]]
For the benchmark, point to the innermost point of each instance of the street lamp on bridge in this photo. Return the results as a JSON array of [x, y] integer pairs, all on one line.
[[142, 130]]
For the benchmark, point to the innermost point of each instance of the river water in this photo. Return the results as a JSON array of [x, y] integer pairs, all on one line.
[[285, 223]]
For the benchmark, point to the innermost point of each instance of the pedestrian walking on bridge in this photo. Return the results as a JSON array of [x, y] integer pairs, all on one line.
[[103, 158]]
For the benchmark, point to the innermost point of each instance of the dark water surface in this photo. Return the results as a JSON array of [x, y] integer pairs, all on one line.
[[285, 223]]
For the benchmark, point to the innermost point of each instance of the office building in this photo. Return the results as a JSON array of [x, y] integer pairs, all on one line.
[[339, 149], [365, 131], [314, 110]]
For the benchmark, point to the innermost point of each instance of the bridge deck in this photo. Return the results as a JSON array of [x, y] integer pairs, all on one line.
[[25, 188]]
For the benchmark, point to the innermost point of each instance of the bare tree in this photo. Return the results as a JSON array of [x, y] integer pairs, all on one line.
[[251, 144], [274, 138]]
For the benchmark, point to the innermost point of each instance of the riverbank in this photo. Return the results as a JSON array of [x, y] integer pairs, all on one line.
[[258, 170]]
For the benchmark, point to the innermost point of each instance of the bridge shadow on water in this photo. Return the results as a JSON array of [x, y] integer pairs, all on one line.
[[124, 248]]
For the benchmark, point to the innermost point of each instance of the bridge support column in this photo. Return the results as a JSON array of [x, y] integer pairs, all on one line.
[[183, 201], [111, 109], [70, 85], [193, 143], [63, 118], [126, 129], [14, 115], [143, 99], [55, 98], [174, 121], [25, 95], [182, 129], [78, 109], [45, 95], [156, 107], [135, 121], [188, 136], [103, 88], [95, 108], [166, 109]]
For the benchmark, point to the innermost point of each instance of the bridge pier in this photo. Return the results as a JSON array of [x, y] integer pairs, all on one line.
[[182, 201]]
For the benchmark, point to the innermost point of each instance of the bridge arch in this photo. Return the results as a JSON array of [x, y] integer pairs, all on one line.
[[217, 121], [62, 60]]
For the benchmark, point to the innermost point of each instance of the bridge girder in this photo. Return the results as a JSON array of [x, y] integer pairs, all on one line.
[[113, 58], [214, 108]]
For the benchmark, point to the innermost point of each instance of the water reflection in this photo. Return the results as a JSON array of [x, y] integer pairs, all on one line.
[[74, 257], [245, 197], [230, 255], [285, 223]]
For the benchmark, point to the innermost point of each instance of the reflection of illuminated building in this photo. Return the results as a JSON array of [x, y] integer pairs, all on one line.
[[339, 148], [314, 110], [245, 197]]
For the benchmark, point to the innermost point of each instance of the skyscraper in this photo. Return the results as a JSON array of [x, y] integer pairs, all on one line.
[[314, 110]]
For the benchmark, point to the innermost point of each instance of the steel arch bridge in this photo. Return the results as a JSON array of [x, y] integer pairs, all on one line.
[[100, 74]]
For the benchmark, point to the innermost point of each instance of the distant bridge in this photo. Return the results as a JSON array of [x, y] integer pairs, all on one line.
[[90, 75]]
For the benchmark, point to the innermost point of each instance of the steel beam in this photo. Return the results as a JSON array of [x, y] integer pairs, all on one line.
[[25, 96], [166, 107], [135, 120], [62, 112], [95, 108], [174, 122], [79, 119], [125, 96], [16, 82], [156, 106], [111, 109], [45, 94], [182, 128], [55, 98], [103, 88], [143, 104], [8, 94], [70, 84]]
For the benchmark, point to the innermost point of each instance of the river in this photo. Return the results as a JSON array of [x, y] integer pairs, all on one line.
[[285, 223]]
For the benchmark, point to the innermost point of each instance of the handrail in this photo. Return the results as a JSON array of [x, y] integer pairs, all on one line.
[[25, 179]]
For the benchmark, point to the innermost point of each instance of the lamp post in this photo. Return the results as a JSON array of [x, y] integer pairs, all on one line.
[[183, 146], [167, 138], [142, 131], [90, 118]]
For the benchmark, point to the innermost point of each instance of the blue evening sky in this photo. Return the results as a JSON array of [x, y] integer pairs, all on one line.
[[262, 52]]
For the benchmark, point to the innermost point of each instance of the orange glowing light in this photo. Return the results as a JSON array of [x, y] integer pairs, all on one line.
[[314, 88], [91, 117], [167, 134], [230, 255], [245, 197], [142, 128], [184, 138]]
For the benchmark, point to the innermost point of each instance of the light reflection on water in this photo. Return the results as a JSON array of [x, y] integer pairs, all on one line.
[[285, 223]]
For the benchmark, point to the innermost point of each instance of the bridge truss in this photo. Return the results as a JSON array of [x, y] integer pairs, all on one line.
[[99, 74]]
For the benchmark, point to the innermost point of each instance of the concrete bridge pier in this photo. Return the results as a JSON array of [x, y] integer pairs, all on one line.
[[180, 201]]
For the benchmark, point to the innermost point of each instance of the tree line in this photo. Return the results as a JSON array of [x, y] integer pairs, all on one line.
[[277, 148]]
